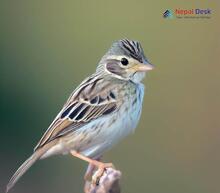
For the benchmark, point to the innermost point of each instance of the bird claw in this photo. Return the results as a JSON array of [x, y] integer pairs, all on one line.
[[99, 173]]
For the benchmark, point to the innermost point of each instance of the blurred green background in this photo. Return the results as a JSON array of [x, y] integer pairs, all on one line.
[[48, 47]]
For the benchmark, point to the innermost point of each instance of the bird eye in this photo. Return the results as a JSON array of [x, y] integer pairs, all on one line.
[[124, 61]]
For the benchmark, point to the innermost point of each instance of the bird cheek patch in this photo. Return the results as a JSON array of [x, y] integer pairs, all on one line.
[[115, 69]]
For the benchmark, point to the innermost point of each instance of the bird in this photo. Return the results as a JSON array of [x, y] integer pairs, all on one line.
[[101, 111]]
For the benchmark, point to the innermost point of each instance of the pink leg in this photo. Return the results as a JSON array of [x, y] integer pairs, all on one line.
[[100, 165], [90, 170]]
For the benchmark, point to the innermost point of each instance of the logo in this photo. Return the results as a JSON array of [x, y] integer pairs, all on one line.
[[187, 13], [168, 14]]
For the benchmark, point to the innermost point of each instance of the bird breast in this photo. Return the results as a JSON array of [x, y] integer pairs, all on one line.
[[131, 110]]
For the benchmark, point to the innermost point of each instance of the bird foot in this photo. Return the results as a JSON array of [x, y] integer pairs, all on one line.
[[100, 165], [99, 173]]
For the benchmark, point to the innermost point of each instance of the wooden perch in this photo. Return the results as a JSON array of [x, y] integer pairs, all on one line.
[[109, 183]]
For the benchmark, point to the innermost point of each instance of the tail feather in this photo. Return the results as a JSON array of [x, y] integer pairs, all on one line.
[[27, 164], [21, 170]]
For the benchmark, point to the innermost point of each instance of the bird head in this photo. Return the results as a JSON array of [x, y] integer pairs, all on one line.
[[125, 60]]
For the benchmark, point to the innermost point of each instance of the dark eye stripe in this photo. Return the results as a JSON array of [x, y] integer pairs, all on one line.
[[65, 113], [76, 111]]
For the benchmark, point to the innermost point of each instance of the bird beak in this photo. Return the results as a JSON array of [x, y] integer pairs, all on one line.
[[143, 67]]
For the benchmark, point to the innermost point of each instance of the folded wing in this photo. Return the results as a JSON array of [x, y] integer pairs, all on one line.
[[91, 100]]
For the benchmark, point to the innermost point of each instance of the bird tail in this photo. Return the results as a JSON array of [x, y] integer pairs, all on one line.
[[27, 164]]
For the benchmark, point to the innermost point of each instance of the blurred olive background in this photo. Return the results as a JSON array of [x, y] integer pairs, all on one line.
[[49, 47]]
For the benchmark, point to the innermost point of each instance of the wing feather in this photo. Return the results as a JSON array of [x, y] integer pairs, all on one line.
[[91, 100]]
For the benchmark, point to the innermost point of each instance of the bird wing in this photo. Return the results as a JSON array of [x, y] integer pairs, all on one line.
[[92, 99]]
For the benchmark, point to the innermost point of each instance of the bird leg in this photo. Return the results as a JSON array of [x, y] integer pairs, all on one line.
[[90, 170], [93, 163]]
